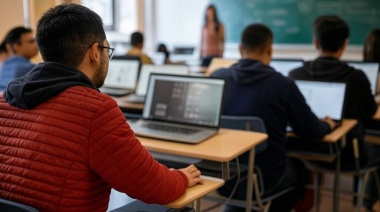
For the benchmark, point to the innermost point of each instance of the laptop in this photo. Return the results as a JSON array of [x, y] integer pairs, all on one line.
[[285, 66], [370, 69], [146, 71], [122, 76], [324, 98], [181, 108]]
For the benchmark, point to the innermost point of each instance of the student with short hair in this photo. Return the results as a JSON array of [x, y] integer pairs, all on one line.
[[331, 35], [253, 88], [64, 144], [23, 47], [137, 43]]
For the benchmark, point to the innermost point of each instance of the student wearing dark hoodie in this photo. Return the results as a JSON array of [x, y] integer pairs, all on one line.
[[253, 88], [331, 35]]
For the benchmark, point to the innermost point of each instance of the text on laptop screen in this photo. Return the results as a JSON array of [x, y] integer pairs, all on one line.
[[190, 100], [147, 69], [324, 98], [371, 70], [122, 74], [285, 66]]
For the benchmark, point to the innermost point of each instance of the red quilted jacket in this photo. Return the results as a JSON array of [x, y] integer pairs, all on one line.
[[68, 152]]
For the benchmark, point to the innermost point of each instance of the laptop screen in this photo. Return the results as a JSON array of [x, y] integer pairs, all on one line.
[[184, 99], [371, 70], [284, 66], [324, 98], [147, 69], [122, 74]]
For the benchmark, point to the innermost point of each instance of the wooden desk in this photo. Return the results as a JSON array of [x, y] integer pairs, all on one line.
[[196, 192], [123, 103], [339, 134], [223, 147], [191, 196]]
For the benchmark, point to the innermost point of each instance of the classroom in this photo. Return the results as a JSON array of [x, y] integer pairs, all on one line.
[[206, 105]]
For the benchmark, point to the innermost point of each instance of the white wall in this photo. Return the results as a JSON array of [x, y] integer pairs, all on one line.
[[182, 26]]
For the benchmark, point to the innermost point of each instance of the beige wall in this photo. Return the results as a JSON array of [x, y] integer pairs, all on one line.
[[11, 15]]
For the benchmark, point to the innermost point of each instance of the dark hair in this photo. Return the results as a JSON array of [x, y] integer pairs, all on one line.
[[217, 23], [331, 32], [256, 37], [66, 32], [14, 35], [162, 48], [137, 38], [372, 47], [3, 47]]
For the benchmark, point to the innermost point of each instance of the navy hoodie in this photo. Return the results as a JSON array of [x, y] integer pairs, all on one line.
[[44, 81], [255, 89]]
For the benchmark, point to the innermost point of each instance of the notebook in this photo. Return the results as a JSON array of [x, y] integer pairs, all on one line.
[[146, 70], [284, 66], [324, 98], [122, 77], [371, 70], [181, 108]]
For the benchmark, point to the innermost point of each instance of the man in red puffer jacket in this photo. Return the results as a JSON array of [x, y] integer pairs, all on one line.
[[63, 144]]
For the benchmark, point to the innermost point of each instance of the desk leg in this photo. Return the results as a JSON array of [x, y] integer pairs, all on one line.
[[251, 163], [197, 205], [337, 178]]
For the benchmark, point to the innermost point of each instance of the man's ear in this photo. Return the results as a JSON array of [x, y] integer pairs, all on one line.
[[241, 51], [316, 44], [270, 50], [93, 53]]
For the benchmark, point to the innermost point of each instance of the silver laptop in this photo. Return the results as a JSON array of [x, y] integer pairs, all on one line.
[[122, 77], [181, 108], [284, 66], [324, 98], [146, 71], [371, 70]]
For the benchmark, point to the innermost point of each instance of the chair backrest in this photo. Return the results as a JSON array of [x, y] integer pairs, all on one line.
[[10, 206], [249, 123]]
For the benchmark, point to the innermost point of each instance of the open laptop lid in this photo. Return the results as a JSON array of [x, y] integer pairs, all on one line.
[[122, 73], [147, 69], [184, 99], [284, 66], [370, 69], [324, 98]]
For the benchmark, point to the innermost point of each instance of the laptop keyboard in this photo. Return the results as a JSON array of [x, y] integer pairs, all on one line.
[[171, 128]]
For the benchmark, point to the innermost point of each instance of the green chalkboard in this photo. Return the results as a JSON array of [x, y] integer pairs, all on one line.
[[291, 20]]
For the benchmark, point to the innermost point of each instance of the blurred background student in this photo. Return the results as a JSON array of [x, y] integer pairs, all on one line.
[[21, 43], [212, 39]]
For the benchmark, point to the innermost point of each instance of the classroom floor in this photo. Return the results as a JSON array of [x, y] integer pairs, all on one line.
[[325, 204]]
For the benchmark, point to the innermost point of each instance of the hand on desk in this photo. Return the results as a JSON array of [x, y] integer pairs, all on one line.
[[193, 175], [330, 122]]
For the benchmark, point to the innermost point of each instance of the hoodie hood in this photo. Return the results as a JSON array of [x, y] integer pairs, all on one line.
[[44, 81], [327, 67], [248, 71]]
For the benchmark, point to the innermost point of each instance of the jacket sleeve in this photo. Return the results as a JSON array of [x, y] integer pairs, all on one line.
[[119, 158], [302, 119], [366, 100]]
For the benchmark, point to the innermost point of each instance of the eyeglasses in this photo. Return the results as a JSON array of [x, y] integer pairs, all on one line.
[[110, 50]]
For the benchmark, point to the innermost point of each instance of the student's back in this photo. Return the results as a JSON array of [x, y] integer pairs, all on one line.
[[359, 100], [255, 89]]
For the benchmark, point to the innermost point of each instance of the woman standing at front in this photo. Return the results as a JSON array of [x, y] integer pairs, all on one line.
[[212, 40]]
